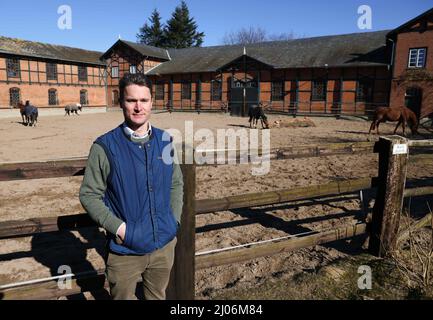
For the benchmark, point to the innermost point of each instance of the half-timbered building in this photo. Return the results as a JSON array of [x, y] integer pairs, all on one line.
[[49, 75]]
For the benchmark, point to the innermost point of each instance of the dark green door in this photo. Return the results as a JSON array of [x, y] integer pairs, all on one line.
[[243, 95], [413, 99]]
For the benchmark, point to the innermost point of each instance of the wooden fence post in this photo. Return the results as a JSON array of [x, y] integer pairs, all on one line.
[[393, 156], [182, 279]]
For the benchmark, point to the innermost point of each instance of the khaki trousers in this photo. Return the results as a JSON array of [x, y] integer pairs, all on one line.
[[123, 273]]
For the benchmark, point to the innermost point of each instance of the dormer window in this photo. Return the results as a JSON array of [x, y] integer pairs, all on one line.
[[417, 57]]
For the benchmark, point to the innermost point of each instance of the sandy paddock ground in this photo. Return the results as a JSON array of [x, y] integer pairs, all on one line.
[[58, 137]]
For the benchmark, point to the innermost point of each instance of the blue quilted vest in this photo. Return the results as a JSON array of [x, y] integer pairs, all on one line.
[[138, 191]]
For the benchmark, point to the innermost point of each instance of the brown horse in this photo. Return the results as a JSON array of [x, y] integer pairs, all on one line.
[[22, 112], [401, 114]]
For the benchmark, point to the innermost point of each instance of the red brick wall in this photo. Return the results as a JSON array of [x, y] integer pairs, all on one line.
[[289, 76], [38, 94], [405, 41], [34, 86]]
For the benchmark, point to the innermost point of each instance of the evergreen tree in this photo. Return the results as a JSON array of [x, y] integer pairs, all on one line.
[[181, 30], [152, 35]]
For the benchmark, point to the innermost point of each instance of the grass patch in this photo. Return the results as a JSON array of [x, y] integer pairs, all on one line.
[[336, 281]]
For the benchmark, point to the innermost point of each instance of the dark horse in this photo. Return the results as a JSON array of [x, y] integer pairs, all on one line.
[[29, 113], [255, 113], [401, 114]]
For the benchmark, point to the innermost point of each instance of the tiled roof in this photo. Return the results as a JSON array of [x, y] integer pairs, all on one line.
[[48, 51], [357, 49]]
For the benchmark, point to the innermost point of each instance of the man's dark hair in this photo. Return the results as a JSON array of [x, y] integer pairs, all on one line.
[[133, 78]]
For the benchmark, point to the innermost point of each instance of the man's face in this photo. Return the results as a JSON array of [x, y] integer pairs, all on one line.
[[137, 106]]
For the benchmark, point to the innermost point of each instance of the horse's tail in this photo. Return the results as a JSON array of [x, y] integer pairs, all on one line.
[[412, 120]]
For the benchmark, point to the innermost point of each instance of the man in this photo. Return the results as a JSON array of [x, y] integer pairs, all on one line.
[[136, 195]]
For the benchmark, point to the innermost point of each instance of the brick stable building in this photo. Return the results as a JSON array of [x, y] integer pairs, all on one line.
[[412, 80], [49, 75], [343, 74], [332, 74]]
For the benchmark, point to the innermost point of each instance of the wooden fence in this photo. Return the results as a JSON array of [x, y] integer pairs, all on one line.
[[383, 229]]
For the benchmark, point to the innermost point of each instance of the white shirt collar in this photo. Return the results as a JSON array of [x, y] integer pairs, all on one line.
[[131, 133]]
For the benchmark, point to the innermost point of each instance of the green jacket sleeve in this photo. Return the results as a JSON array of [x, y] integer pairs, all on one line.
[[93, 189]]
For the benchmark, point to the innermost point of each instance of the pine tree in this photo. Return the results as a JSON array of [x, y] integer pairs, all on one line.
[[152, 35], [181, 30]]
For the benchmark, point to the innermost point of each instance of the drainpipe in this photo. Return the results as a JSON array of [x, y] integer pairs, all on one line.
[[392, 57], [392, 68], [105, 79]]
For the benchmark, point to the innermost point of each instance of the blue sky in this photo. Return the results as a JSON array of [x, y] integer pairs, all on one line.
[[97, 24]]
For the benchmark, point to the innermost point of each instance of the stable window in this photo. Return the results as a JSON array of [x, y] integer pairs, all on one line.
[[277, 90], [82, 73], [318, 92], [83, 97], [364, 90], [14, 96], [13, 68], [115, 72], [417, 57], [216, 89], [132, 69], [186, 90], [115, 97], [159, 91], [52, 97], [51, 71]]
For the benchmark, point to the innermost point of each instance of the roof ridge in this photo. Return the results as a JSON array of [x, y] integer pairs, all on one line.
[[143, 45], [283, 41], [49, 44]]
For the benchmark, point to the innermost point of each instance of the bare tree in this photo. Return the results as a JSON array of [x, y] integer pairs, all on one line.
[[281, 36], [253, 35]]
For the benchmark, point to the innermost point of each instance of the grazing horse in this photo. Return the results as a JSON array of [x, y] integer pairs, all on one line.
[[73, 107], [401, 114], [31, 114], [255, 113]]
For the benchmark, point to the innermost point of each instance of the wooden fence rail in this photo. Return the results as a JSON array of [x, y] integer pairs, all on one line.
[[277, 246], [20, 228], [75, 167]]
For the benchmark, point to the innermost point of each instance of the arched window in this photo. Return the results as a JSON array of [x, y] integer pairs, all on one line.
[[14, 96], [83, 97], [52, 97], [115, 97]]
